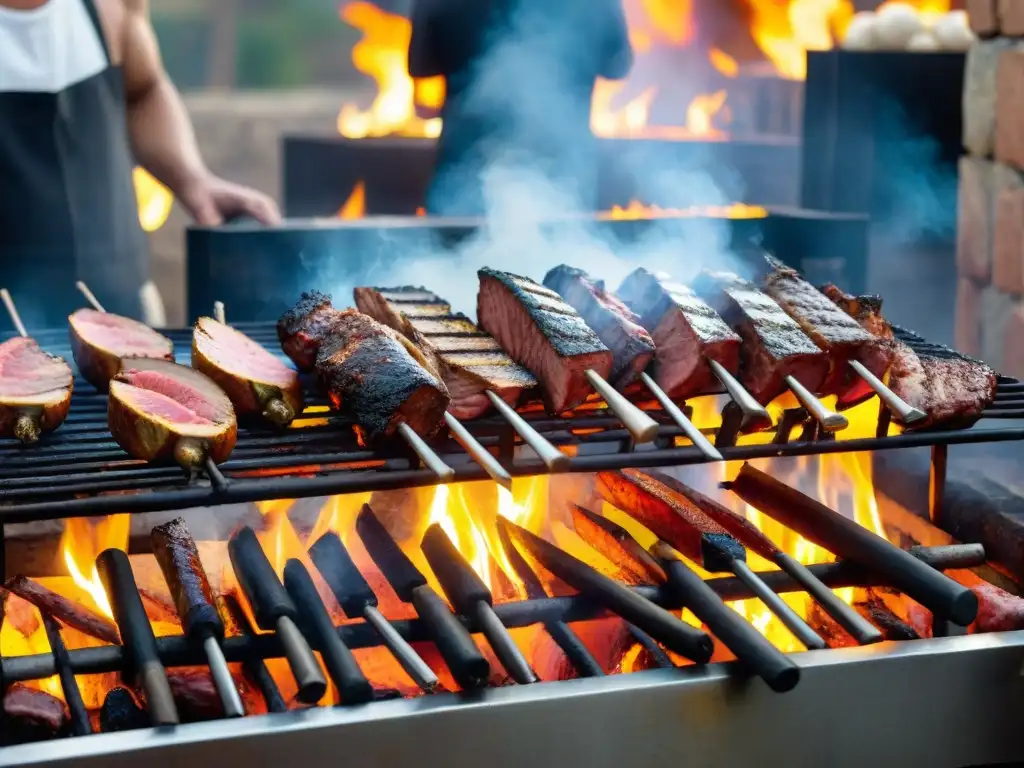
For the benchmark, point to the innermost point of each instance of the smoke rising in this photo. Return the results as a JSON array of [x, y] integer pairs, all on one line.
[[518, 151]]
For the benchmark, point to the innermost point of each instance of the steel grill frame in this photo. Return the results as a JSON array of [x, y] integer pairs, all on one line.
[[79, 471]]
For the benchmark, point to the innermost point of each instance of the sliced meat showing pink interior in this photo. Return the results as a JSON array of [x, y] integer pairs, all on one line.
[[154, 403], [27, 371], [236, 353], [120, 335], [187, 387]]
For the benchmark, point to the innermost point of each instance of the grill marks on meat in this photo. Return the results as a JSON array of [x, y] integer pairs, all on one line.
[[468, 360], [837, 334], [543, 333], [100, 341], [685, 330], [668, 515], [773, 346], [377, 377], [32, 383], [304, 327], [615, 324], [950, 388], [866, 311]]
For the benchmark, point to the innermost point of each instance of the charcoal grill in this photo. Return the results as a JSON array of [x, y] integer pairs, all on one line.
[[944, 701]]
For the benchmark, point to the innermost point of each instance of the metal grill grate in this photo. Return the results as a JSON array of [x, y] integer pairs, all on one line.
[[80, 471]]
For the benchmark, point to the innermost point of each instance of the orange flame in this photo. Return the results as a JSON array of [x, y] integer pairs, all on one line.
[[82, 542], [637, 210], [355, 206], [382, 54]]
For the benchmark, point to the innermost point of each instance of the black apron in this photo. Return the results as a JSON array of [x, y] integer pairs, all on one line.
[[67, 201]]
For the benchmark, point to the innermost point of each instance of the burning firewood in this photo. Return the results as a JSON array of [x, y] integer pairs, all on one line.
[[33, 714], [875, 609], [64, 610], [120, 712]]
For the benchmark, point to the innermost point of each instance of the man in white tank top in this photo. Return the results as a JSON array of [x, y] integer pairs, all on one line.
[[84, 97]]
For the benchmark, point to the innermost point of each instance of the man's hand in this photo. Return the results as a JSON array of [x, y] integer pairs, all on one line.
[[212, 200]]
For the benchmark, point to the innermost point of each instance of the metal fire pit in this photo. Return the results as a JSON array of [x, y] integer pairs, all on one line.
[[942, 703]]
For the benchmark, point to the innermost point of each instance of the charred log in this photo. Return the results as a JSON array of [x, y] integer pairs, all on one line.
[[64, 610]]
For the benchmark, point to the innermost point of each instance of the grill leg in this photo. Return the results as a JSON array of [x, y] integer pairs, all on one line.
[[937, 483]]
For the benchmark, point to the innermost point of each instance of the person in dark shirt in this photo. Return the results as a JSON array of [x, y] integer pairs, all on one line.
[[519, 75]]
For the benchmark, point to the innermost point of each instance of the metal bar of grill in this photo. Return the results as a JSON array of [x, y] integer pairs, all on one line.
[[80, 471]]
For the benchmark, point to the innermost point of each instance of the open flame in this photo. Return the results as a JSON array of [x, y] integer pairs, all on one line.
[[637, 210], [355, 206], [82, 542], [154, 200]]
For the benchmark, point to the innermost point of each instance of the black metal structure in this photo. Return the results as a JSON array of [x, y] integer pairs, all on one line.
[[79, 471]]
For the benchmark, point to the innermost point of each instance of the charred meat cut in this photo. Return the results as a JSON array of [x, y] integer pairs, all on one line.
[[159, 410], [542, 333], [176, 552], [379, 378], [614, 323], [949, 387], [257, 382], [304, 327], [34, 709], [774, 346], [470, 362], [686, 331], [837, 334], [101, 340], [35, 390]]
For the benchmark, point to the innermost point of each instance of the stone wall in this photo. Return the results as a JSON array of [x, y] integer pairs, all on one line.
[[240, 137], [990, 220]]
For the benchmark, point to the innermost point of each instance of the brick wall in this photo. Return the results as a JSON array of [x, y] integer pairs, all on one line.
[[990, 218]]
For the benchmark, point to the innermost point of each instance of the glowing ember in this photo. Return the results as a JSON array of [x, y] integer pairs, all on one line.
[[638, 210], [154, 200], [381, 55]]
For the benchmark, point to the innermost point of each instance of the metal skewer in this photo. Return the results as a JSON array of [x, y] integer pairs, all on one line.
[[691, 431], [478, 453], [80, 725], [553, 459], [12, 310], [89, 296], [830, 421], [642, 427], [430, 459], [755, 415], [903, 411]]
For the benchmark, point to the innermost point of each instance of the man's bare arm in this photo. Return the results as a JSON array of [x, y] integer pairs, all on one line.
[[162, 136], [159, 126]]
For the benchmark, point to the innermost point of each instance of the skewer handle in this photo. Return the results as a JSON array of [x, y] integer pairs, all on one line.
[[755, 415], [903, 411], [862, 630], [308, 677], [553, 459], [750, 646], [504, 646], [478, 453], [411, 662], [695, 435], [89, 296], [12, 310], [430, 459], [468, 665], [830, 421], [218, 312], [222, 680], [789, 618], [642, 427]]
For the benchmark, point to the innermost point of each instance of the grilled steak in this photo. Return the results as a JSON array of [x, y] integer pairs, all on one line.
[[159, 410], [773, 344], [949, 388], [100, 340], [470, 362], [258, 383], [837, 334], [542, 333], [35, 390], [379, 378], [304, 327], [866, 311], [614, 323], [686, 331]]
